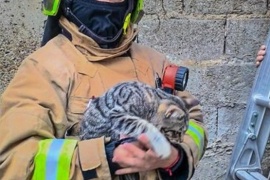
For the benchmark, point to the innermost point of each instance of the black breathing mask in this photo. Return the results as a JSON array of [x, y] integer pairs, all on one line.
[[102, 21]]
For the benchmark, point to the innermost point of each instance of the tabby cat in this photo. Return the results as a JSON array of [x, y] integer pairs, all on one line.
[[133, 108]]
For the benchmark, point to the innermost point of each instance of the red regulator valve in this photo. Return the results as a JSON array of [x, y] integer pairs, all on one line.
[[174, 78]]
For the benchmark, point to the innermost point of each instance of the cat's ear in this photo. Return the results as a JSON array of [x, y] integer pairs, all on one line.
[[173, 111], [191, 102]]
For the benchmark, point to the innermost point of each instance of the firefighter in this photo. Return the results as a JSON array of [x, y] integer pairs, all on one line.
[[88, 46]]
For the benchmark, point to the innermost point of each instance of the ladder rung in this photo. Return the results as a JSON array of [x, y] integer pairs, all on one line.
[[261, 101], [245, 175]]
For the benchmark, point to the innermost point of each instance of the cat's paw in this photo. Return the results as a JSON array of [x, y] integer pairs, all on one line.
[[159, 144]]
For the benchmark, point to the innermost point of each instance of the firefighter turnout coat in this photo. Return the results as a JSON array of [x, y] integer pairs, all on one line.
[[44, 103]]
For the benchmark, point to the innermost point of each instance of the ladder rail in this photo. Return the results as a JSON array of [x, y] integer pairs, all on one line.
[[255, 126]]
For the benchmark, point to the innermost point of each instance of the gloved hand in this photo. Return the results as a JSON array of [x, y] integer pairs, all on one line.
[[110, 147], [139, 157]]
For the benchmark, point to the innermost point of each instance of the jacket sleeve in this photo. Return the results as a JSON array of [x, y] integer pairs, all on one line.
[[196, 138], [33, 123], [193, 146]]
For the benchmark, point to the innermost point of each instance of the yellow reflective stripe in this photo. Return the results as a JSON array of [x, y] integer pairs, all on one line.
[[197, 134], [52, 162], [195, 125], [65, 159], [40, 159], [126, 23]]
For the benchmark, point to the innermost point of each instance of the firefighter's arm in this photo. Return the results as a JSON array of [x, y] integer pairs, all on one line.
[[195, 139], [33, 122], [194, 142]]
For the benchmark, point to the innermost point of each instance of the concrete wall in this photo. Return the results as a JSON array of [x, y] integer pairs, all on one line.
[[216, 40]]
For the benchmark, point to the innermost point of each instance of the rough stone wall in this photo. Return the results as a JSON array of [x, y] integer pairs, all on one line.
[[216, 39]]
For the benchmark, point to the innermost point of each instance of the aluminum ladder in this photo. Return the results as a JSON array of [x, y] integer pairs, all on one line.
[[254, 130]]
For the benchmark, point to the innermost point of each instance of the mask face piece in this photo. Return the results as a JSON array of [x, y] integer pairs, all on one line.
[[103, 20]]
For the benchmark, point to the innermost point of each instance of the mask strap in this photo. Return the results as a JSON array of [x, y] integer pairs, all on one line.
[[126, 23]]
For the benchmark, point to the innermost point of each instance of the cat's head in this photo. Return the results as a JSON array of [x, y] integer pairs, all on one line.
[[171, 118]]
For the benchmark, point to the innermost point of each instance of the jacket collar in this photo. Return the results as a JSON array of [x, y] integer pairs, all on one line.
[[90, 48]]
